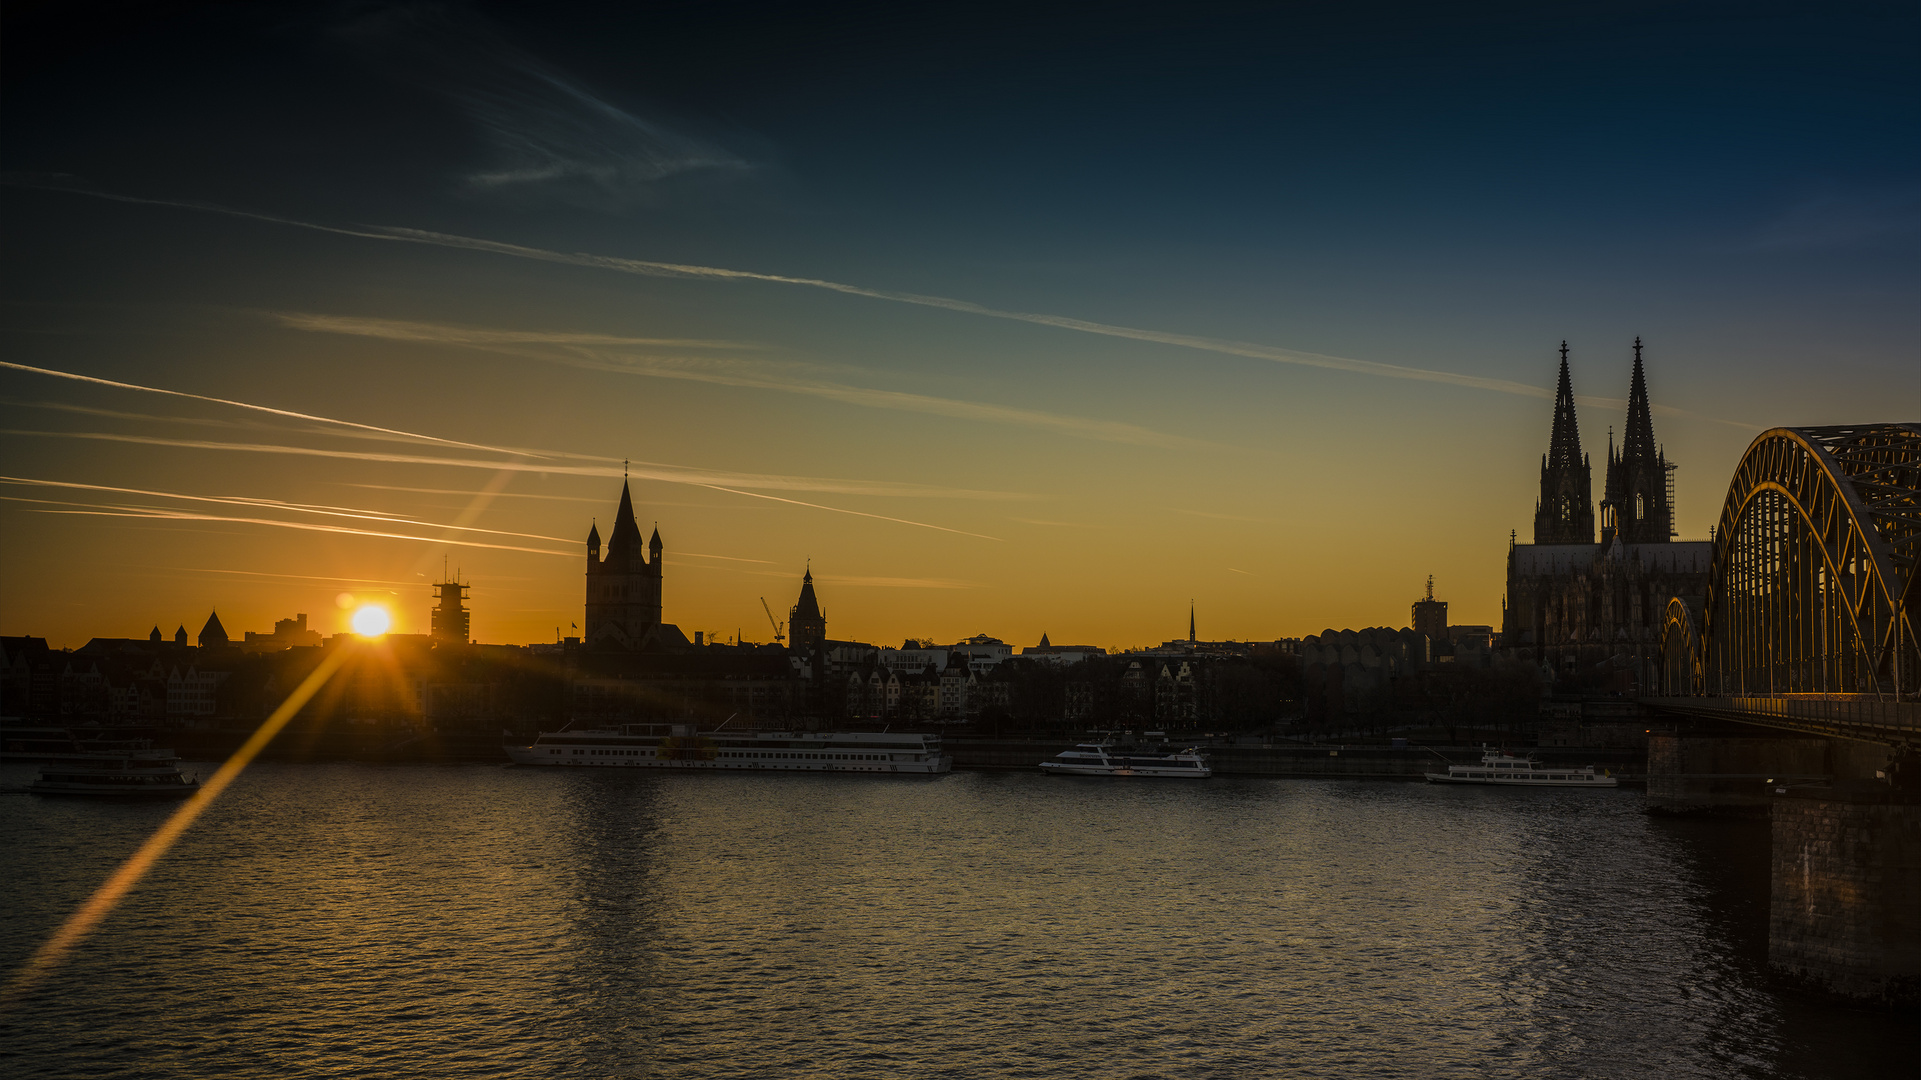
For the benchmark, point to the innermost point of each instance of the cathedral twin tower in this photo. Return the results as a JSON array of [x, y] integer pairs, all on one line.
[[1637, 505]]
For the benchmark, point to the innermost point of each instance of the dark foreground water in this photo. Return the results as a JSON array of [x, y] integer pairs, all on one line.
[[342, 920]]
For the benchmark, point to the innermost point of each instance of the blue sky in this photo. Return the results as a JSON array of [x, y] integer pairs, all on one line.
[[1252, 187]]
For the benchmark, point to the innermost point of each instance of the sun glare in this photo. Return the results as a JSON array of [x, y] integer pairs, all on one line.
[[371, 621]]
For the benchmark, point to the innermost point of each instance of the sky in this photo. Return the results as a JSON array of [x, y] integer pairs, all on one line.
[[1007, 319]]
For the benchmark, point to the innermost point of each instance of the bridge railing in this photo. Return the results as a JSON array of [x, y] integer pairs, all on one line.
[[1844, 715]]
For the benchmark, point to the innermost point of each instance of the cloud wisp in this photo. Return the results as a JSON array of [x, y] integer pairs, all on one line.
[[550, 136], [590, 351], [515, 466], [1839, 218], [650, 268]]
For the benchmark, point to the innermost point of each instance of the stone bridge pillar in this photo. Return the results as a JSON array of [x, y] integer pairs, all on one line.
[[1844, 911]]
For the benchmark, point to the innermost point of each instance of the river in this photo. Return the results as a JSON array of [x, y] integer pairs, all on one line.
[[328, 920]]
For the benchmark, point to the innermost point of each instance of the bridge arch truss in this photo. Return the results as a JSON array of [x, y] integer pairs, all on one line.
[[1813, 588]]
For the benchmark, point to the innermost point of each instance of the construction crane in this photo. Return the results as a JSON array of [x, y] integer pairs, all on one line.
[[778, 636]]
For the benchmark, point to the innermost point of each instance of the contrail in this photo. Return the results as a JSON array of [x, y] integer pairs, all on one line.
[[856, 513], [163, 514], [564, 348], [276, 504], [652, 268], [639, 470], [458, 463], [249, 405]]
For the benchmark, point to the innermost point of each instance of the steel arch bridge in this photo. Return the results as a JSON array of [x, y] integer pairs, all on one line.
[[1809, 617]]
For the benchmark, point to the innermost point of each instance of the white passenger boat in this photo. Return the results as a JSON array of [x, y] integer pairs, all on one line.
[[1106, 758], [127, 774], [679, 746], [1504, 769]]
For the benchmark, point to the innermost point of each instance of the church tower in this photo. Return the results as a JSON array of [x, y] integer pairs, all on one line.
[[1565, 512], [1637, 505], [806, 623], [623, 589]]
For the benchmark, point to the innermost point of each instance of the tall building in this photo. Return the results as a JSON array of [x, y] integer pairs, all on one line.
[[1430, 616], [1591, 613], [623, 588], [449, 616], [806, 623], [1564, 514], [1637, 503]]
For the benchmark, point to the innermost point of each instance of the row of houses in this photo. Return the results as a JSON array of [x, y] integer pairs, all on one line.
[[41, 682]]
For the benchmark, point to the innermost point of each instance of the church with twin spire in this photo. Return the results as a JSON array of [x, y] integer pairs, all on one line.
[[1590, 611]]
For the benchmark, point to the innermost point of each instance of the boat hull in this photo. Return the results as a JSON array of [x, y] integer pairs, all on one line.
[[1584, 782], [104, 791], [529, 755], [1055, 768]]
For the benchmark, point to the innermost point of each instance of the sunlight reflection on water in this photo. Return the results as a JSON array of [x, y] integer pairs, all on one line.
[[339, 919]]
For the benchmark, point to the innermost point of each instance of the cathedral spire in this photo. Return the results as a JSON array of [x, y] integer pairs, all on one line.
[[1564, 445], [1637, 505], [1565, 512], [1639, 440]]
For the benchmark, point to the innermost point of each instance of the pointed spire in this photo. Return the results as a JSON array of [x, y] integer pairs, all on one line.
[[624, 542], [213, 635], [654, 545], [625, 515], [1564, 513], [1564, 446], [1190, 620], [807, 608], [155, 636], [1638, 442], [1045, 644], [593, 536]]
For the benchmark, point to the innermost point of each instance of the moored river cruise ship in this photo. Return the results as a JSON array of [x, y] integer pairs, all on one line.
[[1107, 758], [135, 773], [1504, 769], [679, 746]]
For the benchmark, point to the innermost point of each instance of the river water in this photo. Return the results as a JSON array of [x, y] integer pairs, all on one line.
[[353, 920]]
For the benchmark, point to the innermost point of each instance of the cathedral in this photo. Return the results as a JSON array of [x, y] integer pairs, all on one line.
[[1590, 613], [623, 588]]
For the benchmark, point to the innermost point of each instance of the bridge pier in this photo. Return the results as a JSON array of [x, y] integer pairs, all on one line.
[[1709, 771], [1845, 829], [1842, 911]]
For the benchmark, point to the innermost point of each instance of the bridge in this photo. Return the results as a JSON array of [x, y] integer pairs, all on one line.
[[1808, 623], [1807, 627]]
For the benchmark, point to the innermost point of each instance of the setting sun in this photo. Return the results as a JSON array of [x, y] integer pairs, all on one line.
[[371, 621]]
